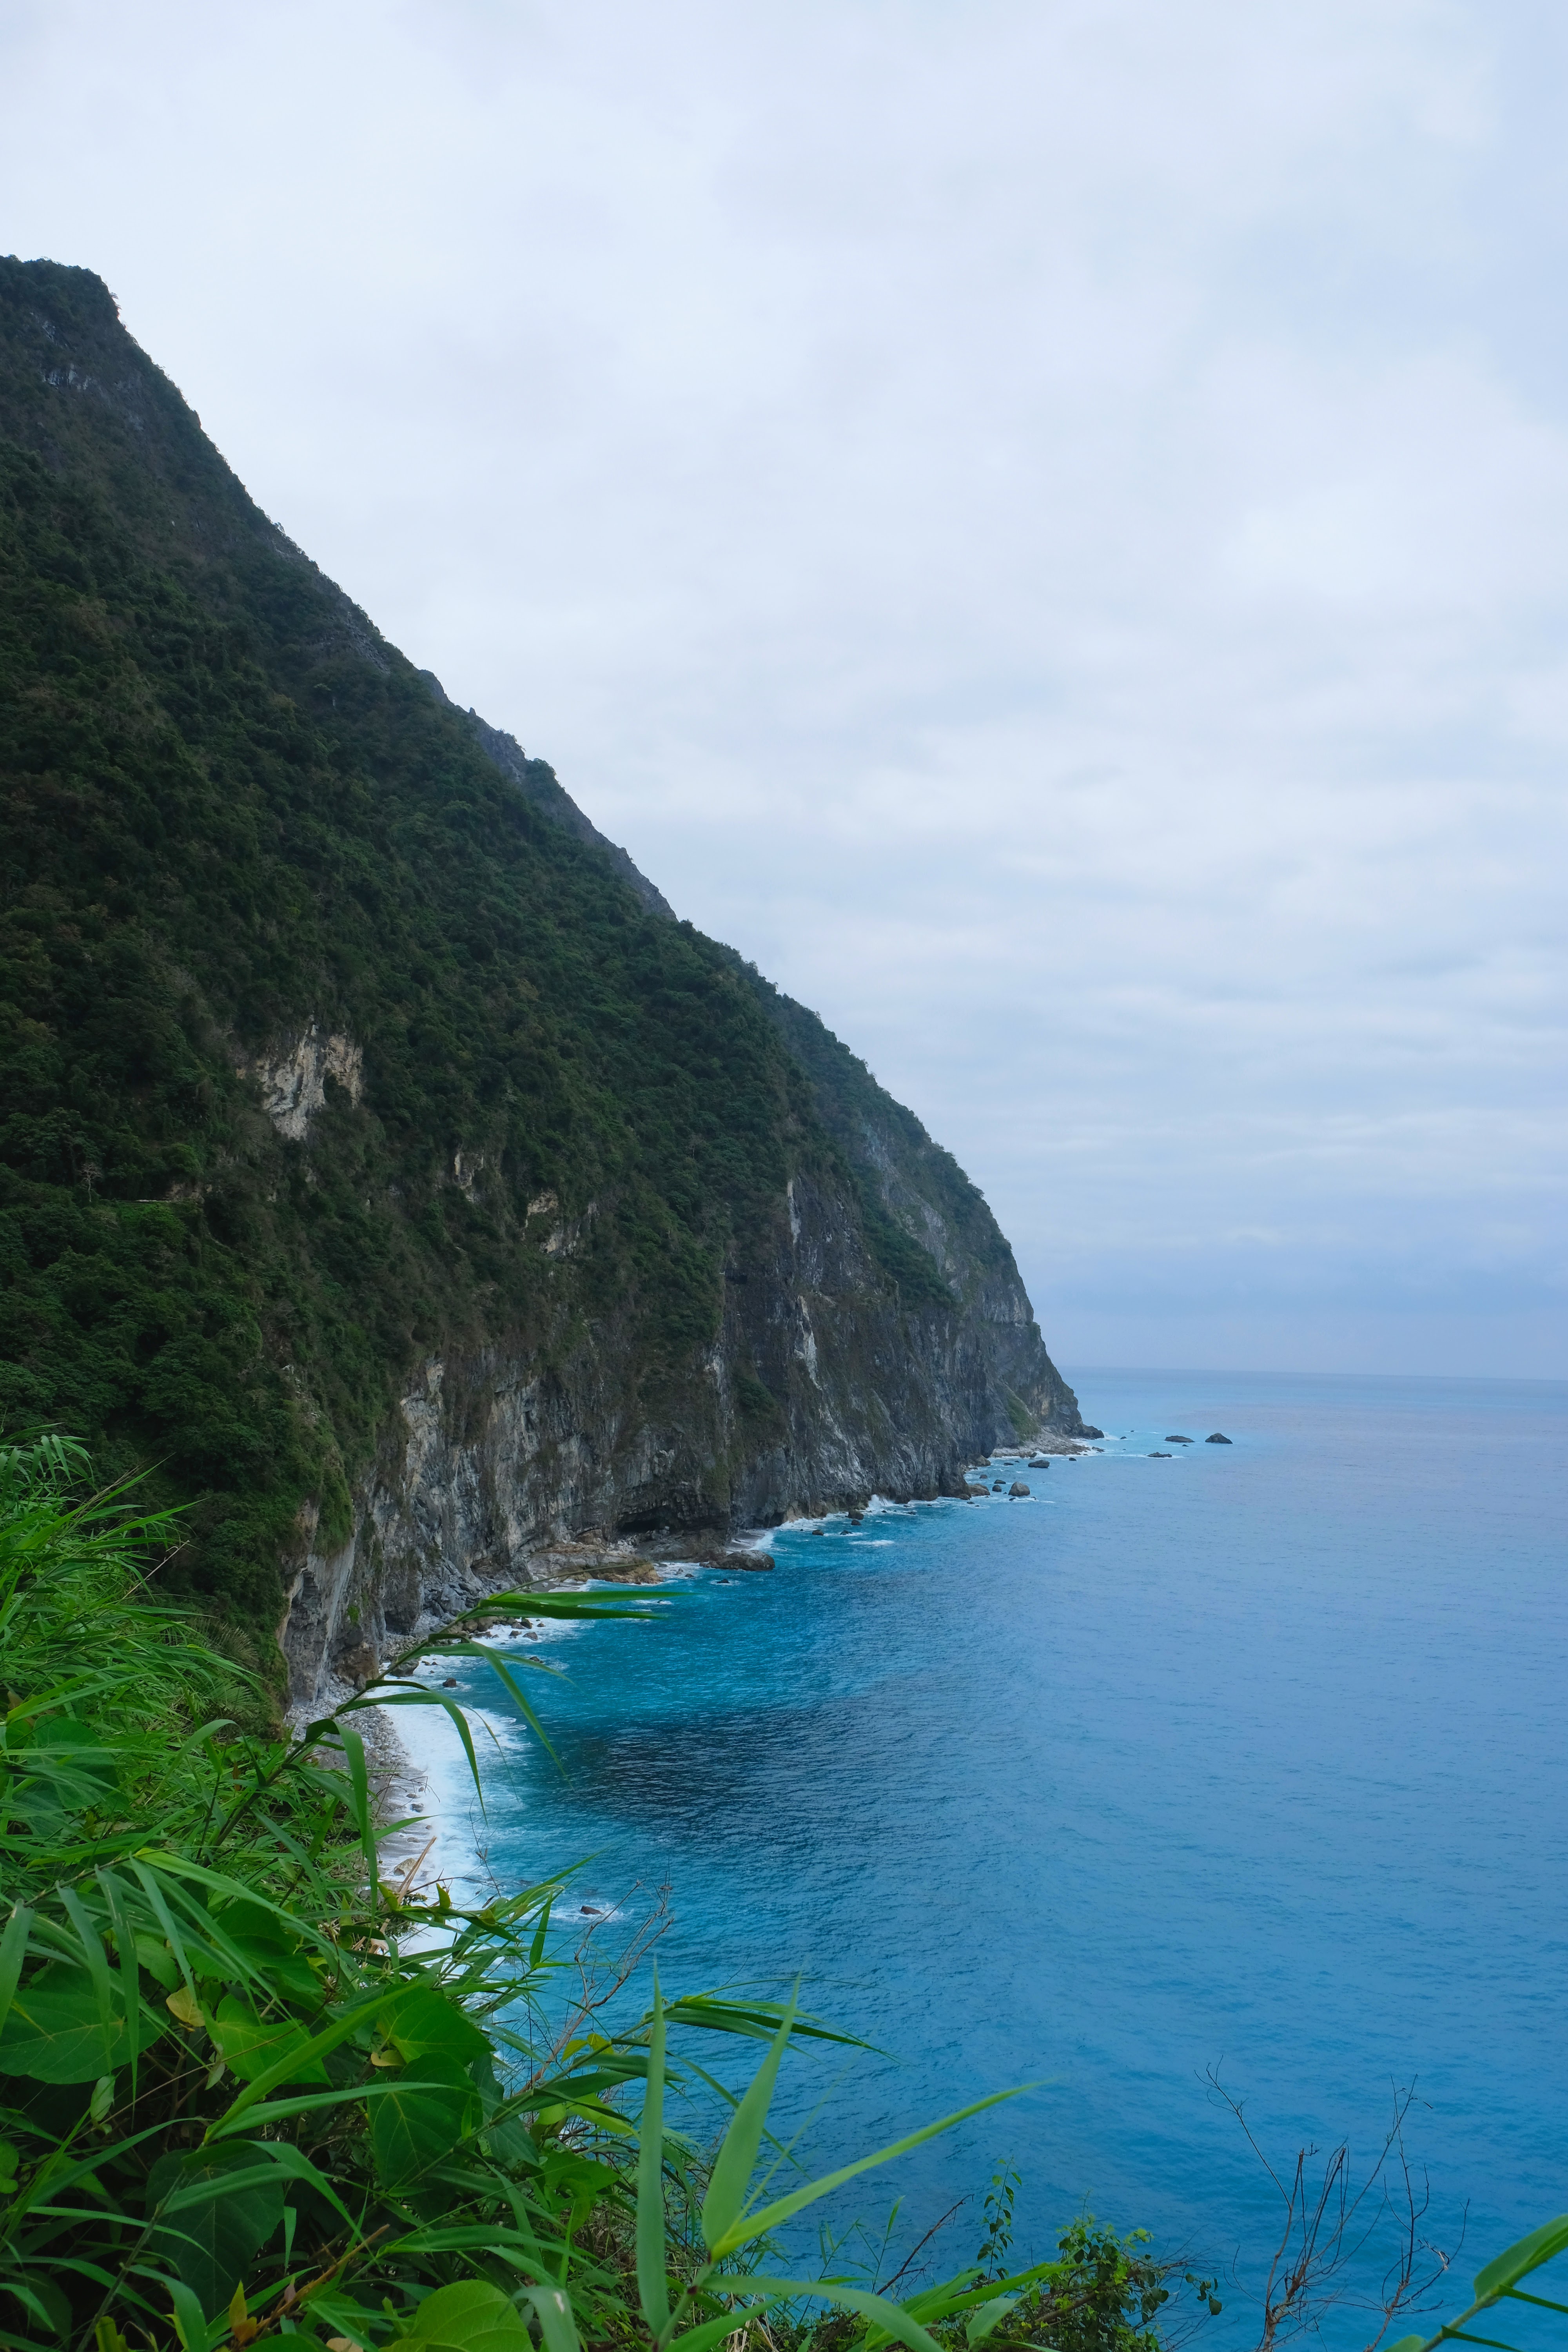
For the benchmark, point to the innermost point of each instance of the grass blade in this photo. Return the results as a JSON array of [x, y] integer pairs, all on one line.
[[652, 2284], [756, 2225], [738, 2156], [875, 2307], [13, 1952]]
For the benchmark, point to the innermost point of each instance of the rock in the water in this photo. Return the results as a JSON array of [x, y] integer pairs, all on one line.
[[1162, 1458], [634, 1569], [997, 1485], [1017, 1487], [1217, 1437], [1042, 1464], [755, 1563], [1170, 1440], [1087, 1430]]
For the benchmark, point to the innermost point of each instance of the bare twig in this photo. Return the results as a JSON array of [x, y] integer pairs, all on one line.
[[1330, 2225]]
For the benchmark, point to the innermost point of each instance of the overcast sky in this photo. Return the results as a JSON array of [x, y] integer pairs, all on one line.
[[1044, 522]]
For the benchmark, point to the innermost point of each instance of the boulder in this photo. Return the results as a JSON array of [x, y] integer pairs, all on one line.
[[1042, 1463], [1162, 1458], [1170, 1440], [1217, 1437], [1017, 1487]]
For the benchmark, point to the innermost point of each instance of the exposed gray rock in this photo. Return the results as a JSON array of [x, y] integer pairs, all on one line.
[[496, 1472]]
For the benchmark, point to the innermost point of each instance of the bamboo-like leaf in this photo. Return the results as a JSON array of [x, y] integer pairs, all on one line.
[[439, 1698], [877, 2307], [498, 1666], [285, 2071], [13, 1952], [165, 1917], [652, 2284], [757, 2019], [738, 2156], [990, 2315], [770, 2217], [557, 1604], [304, 2102], [190, 2320], [710, 2331], [553, 2313], [1506, 2270], [359, 1800], [125, 1939], [96, 1960]]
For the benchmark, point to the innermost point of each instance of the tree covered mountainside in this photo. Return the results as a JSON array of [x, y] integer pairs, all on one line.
[[380, 1165]]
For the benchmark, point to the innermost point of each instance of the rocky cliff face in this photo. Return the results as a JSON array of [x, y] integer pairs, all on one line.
[[821, 1389], [382, 1162]]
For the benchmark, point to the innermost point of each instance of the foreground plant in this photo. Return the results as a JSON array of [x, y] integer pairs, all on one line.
[[249, 2088]]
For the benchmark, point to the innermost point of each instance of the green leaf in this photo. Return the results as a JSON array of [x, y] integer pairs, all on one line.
[[459, 1721], [347, 2021], [1505, 2270], [472, 2317], [253, 2046], [758, 2021], [427, 2022], [216, 2209], [13, 1952], [755, 2225], [652, 2284], [737, 2157], [190, 2319], [419, 2121], [56, 2032], [890, 2315], [504, 1675], [990, 2315], [358, 1798], [711, 2331], [95, 1958], [556, 2323]]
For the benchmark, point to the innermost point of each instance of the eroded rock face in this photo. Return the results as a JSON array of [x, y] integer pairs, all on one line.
[[292, 1076], [496, 1471]]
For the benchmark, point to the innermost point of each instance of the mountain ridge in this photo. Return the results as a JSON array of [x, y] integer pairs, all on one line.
[[385, 1172]]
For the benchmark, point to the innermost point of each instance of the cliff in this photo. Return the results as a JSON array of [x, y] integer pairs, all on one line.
[[385, 1171]]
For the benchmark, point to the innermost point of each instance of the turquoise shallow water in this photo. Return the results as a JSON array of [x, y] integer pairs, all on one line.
[[1254, 1758]]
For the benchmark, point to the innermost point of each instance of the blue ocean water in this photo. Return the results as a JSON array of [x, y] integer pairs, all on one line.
[[1252, 1758]]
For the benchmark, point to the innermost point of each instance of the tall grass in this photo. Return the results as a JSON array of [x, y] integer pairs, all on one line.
[[251, 2087]]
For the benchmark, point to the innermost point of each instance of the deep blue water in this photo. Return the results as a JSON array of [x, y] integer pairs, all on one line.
[[1254, 1758]]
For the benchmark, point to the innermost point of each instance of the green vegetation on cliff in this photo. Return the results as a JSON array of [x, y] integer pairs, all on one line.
[[240, 827]]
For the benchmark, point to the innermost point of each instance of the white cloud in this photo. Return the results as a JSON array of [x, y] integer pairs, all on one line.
[[1044, 526]]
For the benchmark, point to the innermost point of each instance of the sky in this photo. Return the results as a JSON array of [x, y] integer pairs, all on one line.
[[1042, 523]]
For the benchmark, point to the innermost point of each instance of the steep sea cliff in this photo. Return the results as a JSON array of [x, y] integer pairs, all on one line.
[[386, 1173]]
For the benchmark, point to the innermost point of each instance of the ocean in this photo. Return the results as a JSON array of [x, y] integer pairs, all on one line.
[[1250, 1762]]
